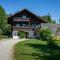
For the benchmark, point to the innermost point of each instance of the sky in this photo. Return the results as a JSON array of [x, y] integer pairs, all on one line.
[[38, 7]]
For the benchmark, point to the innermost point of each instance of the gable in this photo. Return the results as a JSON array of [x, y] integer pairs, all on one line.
[[28, 14]]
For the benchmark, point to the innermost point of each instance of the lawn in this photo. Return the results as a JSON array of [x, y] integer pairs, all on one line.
[[35, 50]]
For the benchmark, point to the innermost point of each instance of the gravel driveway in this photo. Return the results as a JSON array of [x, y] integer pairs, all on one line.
[[6, 47]]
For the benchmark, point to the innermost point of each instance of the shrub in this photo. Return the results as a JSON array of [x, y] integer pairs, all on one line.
[[3, 37], [45, 34], [21, 34], [7, 30], [1, 32], [51, 43]]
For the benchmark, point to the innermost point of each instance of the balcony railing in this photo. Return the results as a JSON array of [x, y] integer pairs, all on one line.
[[21, 27], [21, 19], [27, 27]]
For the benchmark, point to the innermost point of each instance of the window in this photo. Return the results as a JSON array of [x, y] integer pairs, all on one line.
[[17, 25], [14, 33], [34, 25], [24, 16]]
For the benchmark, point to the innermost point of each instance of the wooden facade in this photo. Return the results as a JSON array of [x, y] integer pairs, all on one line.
[[30, 19], [25, 21]]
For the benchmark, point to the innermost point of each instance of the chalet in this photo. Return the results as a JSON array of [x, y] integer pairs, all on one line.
[[25, 21]]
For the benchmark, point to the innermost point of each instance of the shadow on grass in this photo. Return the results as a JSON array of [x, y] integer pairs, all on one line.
[[43, 52]]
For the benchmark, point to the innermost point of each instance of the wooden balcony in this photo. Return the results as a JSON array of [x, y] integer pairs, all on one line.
[[21, 19], [23, 28]]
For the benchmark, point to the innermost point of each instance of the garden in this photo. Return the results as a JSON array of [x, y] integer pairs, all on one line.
[[44, 48], [36, 50]]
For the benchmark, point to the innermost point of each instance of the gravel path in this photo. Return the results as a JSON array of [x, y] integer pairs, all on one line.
[[6, 47]]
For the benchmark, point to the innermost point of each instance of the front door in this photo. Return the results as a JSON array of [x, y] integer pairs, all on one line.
[[27, 35]]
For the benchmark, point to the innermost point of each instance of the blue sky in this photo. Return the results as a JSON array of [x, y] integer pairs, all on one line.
[[39, 7]]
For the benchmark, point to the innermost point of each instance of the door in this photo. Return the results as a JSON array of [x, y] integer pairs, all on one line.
[[26, 34]]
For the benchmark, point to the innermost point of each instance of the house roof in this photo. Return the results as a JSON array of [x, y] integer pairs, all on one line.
[[26, 10]]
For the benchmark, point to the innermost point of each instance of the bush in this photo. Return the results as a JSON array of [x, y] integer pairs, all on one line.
[[1, 36], [51, 43], [45, 34], [1, 32], [21, 34], [7, 30]]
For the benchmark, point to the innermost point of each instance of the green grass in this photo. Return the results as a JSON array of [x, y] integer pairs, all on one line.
[[35, 50]]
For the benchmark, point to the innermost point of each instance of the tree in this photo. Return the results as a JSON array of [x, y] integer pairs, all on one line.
[[3, 17], [59, 20], [48, 18], [4, 27]]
